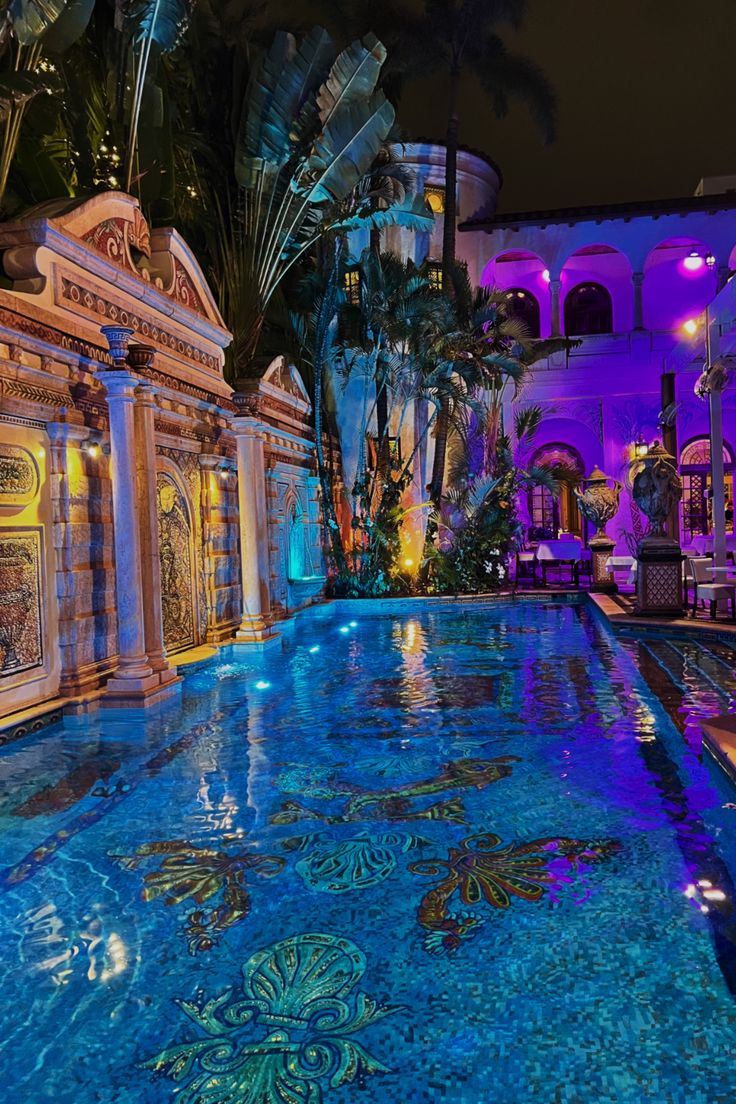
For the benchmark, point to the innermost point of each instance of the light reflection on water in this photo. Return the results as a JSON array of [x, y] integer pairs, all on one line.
[[356, 791]]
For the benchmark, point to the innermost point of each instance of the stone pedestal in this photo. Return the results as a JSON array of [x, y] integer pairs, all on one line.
[[659, 578], [256, 623], [602, 582]]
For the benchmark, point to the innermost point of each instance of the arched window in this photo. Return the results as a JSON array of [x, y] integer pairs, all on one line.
[[551, 516], [588, 310], [521, 304], [696, 482]]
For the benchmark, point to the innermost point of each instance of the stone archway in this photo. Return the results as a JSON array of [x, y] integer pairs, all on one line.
[[178, 599]]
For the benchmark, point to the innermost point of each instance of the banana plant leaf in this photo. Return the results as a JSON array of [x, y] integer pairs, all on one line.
[[69, 27], [162, 22], [346, 149], [30, 19], [353, 77], [279, 93], [18, 88]]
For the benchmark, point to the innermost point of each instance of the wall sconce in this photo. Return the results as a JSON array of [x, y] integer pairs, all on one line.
[[693, 262], [93, 447], [641, 448]]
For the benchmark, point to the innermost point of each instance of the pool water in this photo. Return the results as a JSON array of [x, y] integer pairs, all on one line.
[[461, 854]]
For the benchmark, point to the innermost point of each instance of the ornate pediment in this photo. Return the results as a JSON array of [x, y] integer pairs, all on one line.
[[112, 226], [284, 376]]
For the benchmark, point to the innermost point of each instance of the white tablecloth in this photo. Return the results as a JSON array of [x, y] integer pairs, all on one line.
[[622, 563], [559, 550]]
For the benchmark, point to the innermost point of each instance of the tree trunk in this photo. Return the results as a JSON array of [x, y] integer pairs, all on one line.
[[451, 142], [448, 260], [382, 447]]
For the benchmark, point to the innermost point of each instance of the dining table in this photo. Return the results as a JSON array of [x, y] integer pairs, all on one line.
[[559, 553]]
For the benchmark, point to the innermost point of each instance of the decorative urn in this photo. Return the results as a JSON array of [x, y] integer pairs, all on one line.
[[656, 490], [117, 338], [598, 503]]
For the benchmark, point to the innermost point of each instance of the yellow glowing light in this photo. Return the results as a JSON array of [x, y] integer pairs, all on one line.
[[435, 197], [714, 895], [690, 327], [408, 562]]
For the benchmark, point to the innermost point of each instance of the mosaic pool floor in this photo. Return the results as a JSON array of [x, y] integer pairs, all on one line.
[[468, 856]]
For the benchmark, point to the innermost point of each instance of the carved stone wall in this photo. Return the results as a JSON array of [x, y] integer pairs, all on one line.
[[29, 663], [75, 267], [176, 551], [279, 403]]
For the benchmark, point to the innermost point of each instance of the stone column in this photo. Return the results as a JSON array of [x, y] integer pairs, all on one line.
[[134, 673], [555, 286], [256, 623], [637, 279], [209, 464], [141, 356]]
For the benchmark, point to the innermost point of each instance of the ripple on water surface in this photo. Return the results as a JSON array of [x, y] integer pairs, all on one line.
[[456, 854]]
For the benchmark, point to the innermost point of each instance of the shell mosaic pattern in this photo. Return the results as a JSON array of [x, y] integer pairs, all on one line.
[[559, 923]]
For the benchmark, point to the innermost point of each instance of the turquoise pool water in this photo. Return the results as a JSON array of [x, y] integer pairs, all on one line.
[[462, 855]]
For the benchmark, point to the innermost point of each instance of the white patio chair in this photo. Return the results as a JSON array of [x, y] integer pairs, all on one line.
[[706, 590]]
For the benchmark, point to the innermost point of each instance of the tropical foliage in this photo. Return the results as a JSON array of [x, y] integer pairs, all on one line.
[[382, 341]]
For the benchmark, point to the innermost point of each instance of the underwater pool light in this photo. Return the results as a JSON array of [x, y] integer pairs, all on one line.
[[262, 684], [353, 624], [344, 629], [313, 649]]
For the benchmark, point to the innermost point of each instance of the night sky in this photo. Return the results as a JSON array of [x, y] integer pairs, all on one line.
[[646, 103]]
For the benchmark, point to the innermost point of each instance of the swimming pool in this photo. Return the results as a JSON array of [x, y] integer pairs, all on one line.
[[469, 854]]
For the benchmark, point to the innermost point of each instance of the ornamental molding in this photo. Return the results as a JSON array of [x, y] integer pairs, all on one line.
[[177, 429], [108, 235], [32, 393], [49, 335], [93, 303], [190, 389]]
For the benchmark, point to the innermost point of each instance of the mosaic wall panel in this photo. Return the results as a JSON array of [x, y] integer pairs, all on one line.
[[18, 476], [175, 541], [21, 617]]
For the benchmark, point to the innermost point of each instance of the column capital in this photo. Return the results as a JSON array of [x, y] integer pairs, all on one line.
[[146, 393], [637, 278], [247, 426], [61, 432], [555, 283], [210, 461], [120, 383]]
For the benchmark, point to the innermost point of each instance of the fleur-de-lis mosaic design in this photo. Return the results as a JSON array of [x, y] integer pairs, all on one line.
[[338, 866], [286, 1033], [200, 874], [481, 871]]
